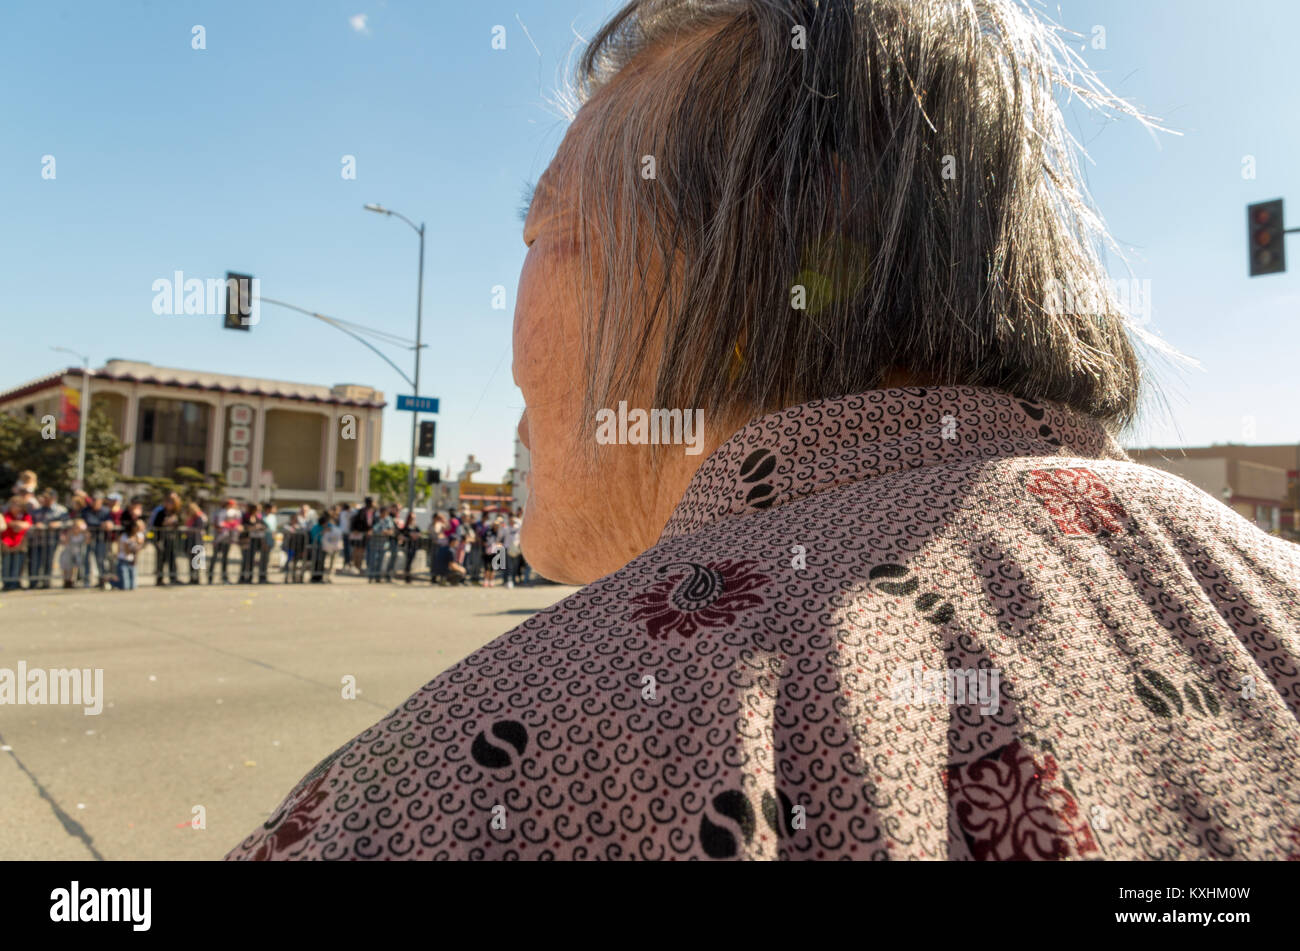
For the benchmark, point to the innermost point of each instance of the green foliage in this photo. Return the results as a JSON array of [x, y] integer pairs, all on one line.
[[190, 484], [23, 446], [388, 484]]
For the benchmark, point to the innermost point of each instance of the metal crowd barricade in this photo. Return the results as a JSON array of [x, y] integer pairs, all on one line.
[[55, 555]]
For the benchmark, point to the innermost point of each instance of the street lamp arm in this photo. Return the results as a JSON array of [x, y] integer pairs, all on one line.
[[395, 214], [333, 323]]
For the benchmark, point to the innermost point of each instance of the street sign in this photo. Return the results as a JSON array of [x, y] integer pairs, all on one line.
[[418, 404]]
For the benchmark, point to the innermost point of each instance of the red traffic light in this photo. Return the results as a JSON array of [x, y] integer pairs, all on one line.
[[1265, 237]]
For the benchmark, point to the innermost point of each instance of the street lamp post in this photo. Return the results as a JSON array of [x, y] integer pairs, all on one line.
[[419, 318], [84, 412]]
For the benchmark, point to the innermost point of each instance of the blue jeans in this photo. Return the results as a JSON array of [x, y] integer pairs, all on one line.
[[11, 568], [126, 575], [376, 549], [96, 549]]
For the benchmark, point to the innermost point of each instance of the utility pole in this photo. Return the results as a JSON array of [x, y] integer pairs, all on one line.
[[419, 319]]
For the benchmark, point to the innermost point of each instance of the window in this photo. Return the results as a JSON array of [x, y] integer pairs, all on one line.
[[338, 478], [171, 434]]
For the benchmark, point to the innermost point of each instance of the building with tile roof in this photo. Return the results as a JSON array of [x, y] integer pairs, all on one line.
[[273, 440]]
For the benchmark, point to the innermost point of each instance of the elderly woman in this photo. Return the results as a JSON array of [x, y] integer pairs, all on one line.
[[867, 572]]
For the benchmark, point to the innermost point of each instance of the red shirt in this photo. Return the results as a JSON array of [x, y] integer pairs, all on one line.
[[15, 528]]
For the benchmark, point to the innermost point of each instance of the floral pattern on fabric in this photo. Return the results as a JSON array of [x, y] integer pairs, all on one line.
[[698, 596], [1078, 501], [1011, 806]]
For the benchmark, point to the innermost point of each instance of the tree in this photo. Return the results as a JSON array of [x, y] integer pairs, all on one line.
[[26, 444], [388, 481], [190, 484]]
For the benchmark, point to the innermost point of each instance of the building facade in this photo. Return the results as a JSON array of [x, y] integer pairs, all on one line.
[[273, 441], [1256, 482]]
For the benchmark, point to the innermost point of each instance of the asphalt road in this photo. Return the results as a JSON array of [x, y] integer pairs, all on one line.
[[219, 697]]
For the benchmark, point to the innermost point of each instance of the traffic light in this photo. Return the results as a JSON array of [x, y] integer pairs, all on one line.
[[240, 304], [432, 477], [427, 429], [1265, 233]]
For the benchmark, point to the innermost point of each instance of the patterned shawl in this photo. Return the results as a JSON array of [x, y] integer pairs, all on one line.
[[937, 623]]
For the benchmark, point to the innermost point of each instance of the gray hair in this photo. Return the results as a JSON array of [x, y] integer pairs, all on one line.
[[909, 168]]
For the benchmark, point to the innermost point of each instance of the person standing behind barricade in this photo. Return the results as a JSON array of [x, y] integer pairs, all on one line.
[[344, 524], [477, 530], [363, 522], [381, 536], [492, 550], [513, 552], [251, 540], [13, 530], [299, 553], [291, 542], [523, 574], [99, 523], [331, 544], [72, 560], [270, 523], [408, 541], [196, 526], [315, 547], [437, 543], [47, 522], [165, 521], [456, 571], [363, 519], [27, 492], [130, 542], [229, 523]]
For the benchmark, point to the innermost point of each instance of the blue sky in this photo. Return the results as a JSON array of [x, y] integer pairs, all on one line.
[[229, 158]]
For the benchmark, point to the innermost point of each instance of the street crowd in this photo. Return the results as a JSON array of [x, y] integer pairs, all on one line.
[[100, 540]]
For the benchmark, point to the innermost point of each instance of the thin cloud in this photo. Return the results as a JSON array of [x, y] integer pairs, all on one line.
[[358, 23]]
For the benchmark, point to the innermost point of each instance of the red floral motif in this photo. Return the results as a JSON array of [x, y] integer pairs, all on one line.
[[696, 596], [295, 825], [1078, 501], [1010, 807]]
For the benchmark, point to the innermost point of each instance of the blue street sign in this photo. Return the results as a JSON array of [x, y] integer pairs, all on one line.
[[418, 404]]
